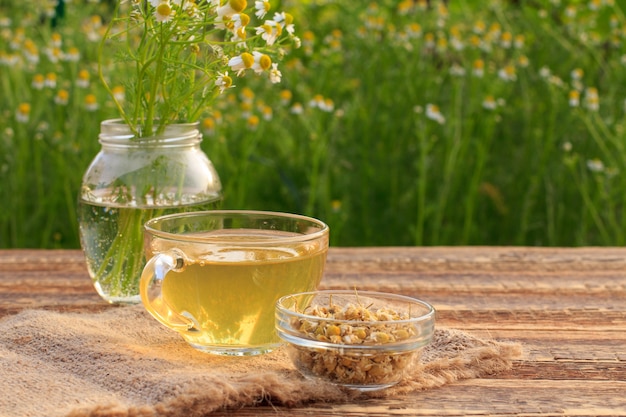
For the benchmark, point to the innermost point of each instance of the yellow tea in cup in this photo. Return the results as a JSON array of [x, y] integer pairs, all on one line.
[[215, 276]]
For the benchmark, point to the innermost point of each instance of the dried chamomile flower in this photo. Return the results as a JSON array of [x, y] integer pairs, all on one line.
[[348, 327]]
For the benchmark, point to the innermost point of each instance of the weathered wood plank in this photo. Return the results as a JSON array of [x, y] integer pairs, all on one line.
[[567, 306], [482, 397]]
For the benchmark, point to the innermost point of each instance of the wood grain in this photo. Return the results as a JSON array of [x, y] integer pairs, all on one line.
[[567, 306]]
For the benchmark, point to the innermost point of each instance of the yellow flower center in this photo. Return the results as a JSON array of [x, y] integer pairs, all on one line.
[[286, 95], [247, 59], [208, 123], [24, 108], [265, 61], [253, 121], [238, 5], [241, 33], [164, 9], [227, 81], [90, 99], [245, 19], [118, 90]]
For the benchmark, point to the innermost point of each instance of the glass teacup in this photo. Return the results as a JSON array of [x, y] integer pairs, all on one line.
[[215, 276]]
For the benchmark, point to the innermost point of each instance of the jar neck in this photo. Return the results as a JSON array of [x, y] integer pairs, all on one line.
[[116, 133]]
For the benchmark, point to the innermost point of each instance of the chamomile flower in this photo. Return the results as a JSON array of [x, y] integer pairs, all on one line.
[[262, 62], [163, 12], [253, 122], [246, 109], [286, 20], [577, 74], [285, 97], [242, 62], [208, 126], [72, 55], [490, 103], [522, 61], [54, 54], [38, 82], [595, 5], [51, 80], [91, 102], [261, 7], [457, 70], [507, 73], [328, 105], [595, 165], [506, 40], [574, 98], [266, 112], [592, 100], [275, 74], [230, 8], [414, 30], [567, 147], [31, 53], [297, 108], [83, 78], [317, 101], [478, 68], [269, 31], [223, 81], [119, 94], [246, 95], [571, 11], [22, 115], [405, 7], [240, 20], [56, 40], [479, 27], [62, 97], [429, 40], [433, 113]]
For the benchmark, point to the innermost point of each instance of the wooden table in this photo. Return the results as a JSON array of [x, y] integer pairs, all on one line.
[[566, 306]]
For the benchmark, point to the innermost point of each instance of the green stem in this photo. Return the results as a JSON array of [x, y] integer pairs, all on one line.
[[484, 145], [421, 183], [591, 208], [450, 163]]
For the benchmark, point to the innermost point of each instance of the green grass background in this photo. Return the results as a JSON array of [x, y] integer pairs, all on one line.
[[372, 162]]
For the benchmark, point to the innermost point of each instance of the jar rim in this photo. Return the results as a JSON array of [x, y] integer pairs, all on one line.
[[116, 132]]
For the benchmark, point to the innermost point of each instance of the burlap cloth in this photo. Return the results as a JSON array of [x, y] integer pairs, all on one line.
[[122, 362]]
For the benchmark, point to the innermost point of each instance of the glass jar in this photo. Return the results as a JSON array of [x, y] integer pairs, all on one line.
[[131, 180]]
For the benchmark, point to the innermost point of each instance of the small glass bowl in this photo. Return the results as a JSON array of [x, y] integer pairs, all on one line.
[[361, 340]]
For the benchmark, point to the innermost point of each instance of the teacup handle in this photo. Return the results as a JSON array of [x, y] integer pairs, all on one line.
[[150, 287]]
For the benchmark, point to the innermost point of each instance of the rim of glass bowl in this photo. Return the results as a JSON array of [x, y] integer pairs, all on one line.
[[426, 321]]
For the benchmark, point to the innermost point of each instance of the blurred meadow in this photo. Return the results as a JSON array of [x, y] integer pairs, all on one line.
[[398, 122]]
